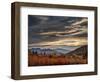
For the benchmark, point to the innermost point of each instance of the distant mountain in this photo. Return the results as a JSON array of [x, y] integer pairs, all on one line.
[[83, 50], [48, 51], [59, 51], [42, 51]]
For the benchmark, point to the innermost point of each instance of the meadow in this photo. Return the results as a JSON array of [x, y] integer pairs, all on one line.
[[40, 60]]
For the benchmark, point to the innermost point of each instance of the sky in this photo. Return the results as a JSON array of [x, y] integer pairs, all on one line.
[[57, 30]]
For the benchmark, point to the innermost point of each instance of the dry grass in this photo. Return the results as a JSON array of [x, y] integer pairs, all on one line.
[[39, 60]]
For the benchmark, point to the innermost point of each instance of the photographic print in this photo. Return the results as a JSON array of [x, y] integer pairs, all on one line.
[[57, 40], [51, 40]]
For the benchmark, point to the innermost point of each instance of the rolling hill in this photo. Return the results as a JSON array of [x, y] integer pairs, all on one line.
[[83, 50]]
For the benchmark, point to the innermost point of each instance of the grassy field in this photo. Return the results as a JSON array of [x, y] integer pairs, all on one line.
[[40, 60]]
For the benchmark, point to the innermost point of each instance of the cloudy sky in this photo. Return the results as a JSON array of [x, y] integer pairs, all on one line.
[[57, 30]]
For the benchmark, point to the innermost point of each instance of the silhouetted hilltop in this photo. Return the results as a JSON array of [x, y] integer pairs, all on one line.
[[83, 50]]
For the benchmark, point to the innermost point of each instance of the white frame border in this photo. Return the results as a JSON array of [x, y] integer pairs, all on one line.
[[25, 70]]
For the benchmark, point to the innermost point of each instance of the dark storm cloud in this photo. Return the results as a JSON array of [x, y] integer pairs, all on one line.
[[51, 23], [48, 28], [32, 20]]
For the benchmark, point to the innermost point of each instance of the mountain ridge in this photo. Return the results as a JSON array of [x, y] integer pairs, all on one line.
[[47, 51]]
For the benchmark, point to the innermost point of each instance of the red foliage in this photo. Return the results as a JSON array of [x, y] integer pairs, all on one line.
[[35, 60]]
